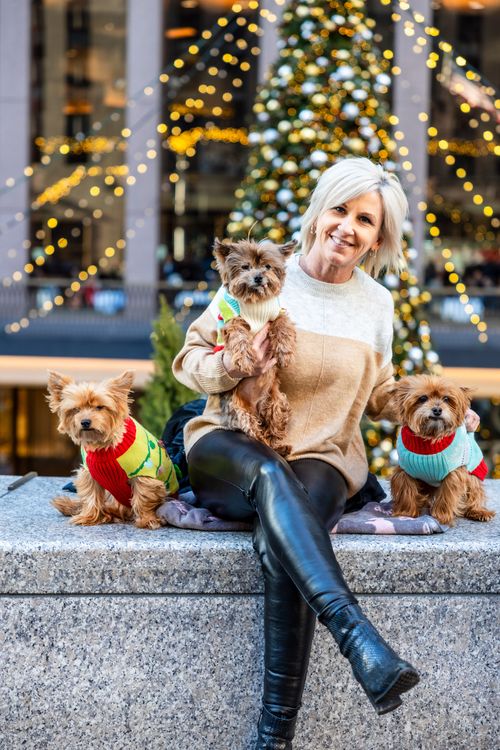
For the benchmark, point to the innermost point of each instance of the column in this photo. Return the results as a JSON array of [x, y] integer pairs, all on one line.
[[15, 53], [144, 63], [411, 91]]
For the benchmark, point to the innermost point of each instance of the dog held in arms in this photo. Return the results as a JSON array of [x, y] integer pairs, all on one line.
[[252, 275], [440, 464], [126, 474]]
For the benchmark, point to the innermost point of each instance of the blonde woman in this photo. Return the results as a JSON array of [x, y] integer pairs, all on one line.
[[342, 369]]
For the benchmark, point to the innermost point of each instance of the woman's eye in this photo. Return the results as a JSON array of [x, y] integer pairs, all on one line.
[[366, 220], [341, 209], [422, 399]]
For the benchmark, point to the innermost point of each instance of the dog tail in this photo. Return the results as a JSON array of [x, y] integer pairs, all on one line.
[[67, 506]]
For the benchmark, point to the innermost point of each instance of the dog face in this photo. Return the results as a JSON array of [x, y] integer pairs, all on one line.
[[431, 406], [92, 414], [252, 272]]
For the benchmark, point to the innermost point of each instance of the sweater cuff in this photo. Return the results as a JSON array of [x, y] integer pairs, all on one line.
[[219, 379]]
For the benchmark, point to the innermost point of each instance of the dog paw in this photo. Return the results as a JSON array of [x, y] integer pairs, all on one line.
[[482, 514], [244, 362], [152, 523], [283, 358], [447, 519]]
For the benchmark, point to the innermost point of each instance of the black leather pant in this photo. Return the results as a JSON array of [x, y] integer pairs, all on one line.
[[293, 506]]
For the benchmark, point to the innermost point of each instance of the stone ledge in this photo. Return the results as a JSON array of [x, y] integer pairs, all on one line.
[[40, 553]]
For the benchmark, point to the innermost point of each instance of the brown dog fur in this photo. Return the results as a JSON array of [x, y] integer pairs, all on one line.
[[460, 494], [255, 273], [106, 405]]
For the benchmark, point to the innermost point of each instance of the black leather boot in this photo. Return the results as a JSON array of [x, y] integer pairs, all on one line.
[[378, 669], [275, 733]]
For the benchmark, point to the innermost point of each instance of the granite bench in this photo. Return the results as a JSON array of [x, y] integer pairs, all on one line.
[[114, 637]]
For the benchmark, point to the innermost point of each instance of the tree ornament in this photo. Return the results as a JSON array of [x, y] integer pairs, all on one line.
[[343, 73], [270, 135], [301, 11], [318, 158], [350, 110], [289, 167], [308, 88], [308, 135], [306, 115], [359, 95], [356, 145], [284, 196]]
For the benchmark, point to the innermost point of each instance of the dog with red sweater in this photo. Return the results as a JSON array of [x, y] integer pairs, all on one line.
[[440, 463]]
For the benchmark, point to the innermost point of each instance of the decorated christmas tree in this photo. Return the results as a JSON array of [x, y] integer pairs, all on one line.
[[163, 394], [327, 97]]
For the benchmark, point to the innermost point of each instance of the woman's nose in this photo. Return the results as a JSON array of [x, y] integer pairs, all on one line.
[[345, 225]]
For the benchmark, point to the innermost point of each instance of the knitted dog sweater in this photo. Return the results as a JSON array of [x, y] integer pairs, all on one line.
[[139, 454], [256, 314], [432, 460]]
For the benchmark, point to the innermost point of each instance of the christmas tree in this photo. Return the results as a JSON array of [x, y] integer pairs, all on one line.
[[163, 394], [327, 97]]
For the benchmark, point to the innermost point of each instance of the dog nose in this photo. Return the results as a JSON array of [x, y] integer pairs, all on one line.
[[258, 278], [85, 423], [437, 411]]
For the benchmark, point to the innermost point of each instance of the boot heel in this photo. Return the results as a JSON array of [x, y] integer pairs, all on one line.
[[406, 680], [382, 674]]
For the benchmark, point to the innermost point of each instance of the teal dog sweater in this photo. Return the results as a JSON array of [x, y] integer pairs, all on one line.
[[432, 460]]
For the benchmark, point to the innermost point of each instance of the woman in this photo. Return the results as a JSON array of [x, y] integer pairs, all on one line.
[[341, 370]]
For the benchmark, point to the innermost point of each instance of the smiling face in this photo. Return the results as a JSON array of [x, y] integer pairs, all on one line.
[[343, 235]]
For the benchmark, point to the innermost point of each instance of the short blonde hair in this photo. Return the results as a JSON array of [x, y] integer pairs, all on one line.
[[349, 178]]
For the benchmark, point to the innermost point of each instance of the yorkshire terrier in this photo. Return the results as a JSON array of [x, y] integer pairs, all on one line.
[[440, 464], [253, 276], [126, 474]]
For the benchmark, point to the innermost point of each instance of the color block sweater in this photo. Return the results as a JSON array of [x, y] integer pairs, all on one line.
[[139, 454], [342, 368], [432, 460]]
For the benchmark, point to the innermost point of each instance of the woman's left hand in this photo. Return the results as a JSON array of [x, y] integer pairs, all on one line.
[[472, 420]]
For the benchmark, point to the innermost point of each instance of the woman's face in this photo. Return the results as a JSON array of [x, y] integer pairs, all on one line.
[[345, 233]]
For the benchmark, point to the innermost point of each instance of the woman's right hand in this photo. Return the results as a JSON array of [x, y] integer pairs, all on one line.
[[263, 360]]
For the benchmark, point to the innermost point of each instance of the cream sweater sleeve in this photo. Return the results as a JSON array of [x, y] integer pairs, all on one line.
[[197, 365], [380, 404]]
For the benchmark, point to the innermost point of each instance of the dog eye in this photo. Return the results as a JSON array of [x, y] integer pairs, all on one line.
[[268, 266], [246, 267], [100, 408], [445, 399], [422, 399]]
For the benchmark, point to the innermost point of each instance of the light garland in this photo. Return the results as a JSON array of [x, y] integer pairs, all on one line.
[[432, 32], [162, 79]]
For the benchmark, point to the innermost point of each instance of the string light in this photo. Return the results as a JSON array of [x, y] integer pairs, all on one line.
[[163, 78]]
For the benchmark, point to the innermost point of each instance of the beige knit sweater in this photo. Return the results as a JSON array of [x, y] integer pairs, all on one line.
[[342, 368]]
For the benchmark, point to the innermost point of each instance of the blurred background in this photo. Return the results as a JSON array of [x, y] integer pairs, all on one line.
[[124, 140]]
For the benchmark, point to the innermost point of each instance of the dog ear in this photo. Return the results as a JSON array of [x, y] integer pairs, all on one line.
[[122, 384], [288, 248], [55, 386], [401, 391], [222, 248]]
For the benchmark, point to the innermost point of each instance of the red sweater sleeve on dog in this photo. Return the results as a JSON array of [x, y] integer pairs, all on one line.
[[106, 470]]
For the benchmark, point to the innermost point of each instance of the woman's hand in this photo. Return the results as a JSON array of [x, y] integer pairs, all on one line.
[[263, 360], [472, 420]]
